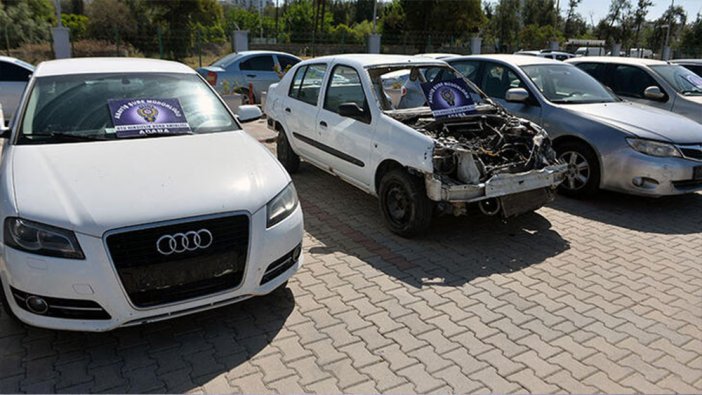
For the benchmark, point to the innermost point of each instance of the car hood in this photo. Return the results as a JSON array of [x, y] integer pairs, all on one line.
[[643, 121], [97, 186]]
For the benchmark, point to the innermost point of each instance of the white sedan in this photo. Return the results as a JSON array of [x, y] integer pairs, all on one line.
[[130, 194], [414, 132]]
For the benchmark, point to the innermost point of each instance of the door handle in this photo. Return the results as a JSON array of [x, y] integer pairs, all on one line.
[[287, 109], [251, 75], [323, 124]]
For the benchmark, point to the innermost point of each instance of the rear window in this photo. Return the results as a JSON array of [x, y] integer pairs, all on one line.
[[258, 63]]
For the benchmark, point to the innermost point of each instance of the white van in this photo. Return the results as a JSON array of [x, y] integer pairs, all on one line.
[[590, 51]]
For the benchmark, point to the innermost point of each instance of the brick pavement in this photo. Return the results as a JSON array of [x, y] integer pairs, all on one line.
[[582, 296]]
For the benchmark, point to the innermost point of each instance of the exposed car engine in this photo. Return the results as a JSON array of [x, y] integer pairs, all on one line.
[[473, 149]]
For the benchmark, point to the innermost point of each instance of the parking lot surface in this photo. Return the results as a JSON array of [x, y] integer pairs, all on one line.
[[603, 295]]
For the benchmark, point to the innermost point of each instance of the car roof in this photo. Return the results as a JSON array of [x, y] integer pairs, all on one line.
[[262, 52], [16, 61], [437, 55], [109, 65], [369, 60], [687, 61], [617, 59], [515, 60]]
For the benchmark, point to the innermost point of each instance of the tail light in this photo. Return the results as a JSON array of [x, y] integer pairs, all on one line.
[[211, 78]]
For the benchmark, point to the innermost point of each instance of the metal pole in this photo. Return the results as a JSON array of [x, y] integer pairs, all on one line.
[[199, 46], [666, 50], [276, 21], [160, 41], [7, 41], [375, 12], [58, 13]]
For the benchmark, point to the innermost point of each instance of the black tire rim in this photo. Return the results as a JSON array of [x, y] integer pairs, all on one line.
[[398, 205], [578, 173]]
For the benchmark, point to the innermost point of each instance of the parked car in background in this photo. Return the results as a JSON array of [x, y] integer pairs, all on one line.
[[547, 53], [694, 65], [14, 75], [640, 53], [647, 81], [590, 51], [437, 55], [132, 195], [606, 142], [238, 71], [386, 141]]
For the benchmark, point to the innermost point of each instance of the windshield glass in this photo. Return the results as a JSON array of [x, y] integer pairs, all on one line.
[[77, 107], [399, 87], [683, 80], [567, 84]]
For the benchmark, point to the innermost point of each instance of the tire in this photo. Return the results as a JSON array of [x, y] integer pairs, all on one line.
[[583, 176], [287, 157], [406, 209]]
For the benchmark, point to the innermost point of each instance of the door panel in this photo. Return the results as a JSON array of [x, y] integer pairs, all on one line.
[[301, 108], [259, 70], [347, 141]]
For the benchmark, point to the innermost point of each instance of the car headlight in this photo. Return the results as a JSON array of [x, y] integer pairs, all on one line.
[[41, 239], [653, 148], [282, 205]]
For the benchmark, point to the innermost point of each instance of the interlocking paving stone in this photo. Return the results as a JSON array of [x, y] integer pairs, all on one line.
[[598, 295]]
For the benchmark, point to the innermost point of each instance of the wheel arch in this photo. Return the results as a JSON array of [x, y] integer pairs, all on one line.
[[565, 139], [383, 168]]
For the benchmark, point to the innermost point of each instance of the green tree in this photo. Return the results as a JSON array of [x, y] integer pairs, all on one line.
[[26, 22], [539, 12], [78, 25], [691, 40], [109, 19], [534, 36], [675, 18], [392, 22], [505, 25], [442, 20]]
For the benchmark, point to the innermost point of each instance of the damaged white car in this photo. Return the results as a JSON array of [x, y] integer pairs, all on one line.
[[367, 120]]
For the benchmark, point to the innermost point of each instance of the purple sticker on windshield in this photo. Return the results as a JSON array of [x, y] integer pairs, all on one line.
[[694, 80], [449, 98], [146, 117]]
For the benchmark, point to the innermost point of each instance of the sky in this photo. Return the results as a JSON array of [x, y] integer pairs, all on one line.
[[599, 8]]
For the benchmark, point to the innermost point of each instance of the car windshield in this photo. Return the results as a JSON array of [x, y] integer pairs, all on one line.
[[73, 108], [399, 87], [680, 78], [565, 84]]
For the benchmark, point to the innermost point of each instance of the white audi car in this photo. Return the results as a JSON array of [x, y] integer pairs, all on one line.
[[129, 193]]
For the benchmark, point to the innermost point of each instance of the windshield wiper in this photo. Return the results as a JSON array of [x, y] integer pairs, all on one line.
[[691, 92], [76, 137]]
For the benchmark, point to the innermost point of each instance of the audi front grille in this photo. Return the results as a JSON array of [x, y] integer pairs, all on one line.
[[179, 261]]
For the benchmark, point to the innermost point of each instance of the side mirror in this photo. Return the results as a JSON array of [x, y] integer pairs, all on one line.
[[352, 110], [249, 113], [517, 95], [654, 93]]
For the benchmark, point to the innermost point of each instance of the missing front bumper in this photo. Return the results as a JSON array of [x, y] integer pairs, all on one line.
[[444, 190]]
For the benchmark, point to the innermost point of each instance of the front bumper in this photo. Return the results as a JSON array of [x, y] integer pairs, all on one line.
[[447, 190], [95, 279], [635, 173]]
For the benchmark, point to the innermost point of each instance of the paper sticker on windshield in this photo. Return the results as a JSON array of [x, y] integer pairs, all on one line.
[[146, 117], [695, 80], [449, 98]]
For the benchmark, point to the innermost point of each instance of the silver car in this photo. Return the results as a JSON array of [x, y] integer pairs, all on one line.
[[694, 65], [647, 81], [238, 71], [14, 75], [608, 143]]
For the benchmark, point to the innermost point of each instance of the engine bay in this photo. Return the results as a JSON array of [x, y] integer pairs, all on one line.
[[475, 148]]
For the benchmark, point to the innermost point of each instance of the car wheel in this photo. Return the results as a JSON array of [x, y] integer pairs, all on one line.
[[245, 98], [583, 175], [286, 155], [403, 200]]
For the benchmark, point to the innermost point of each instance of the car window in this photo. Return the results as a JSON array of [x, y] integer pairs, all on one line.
[[565, 84], [307, 82], [226, 61], [344, 87], [681, 79], [469, 68], [287, 61], [596, 70], [13, 73], [257, 63], [631, 81], [499, 79], [78, 105]]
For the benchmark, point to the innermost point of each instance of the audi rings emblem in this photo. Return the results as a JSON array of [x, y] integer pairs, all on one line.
[[181, 242]]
